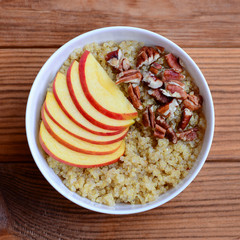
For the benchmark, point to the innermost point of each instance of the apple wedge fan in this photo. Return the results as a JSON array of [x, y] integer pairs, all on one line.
[[86, 117]]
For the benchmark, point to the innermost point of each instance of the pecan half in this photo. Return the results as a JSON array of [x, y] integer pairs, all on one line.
[[169, 74], [160, 49], [129, 76], [152, 80], [148, 117], [186, 116], [173, 63], [159, 132], [174, 88], [159, 96], [155, 68], [146, 56], [162, 122], [170, 134], [134, 96], [175, 91], [193, 102], [188, 135], [116, 60], [168, 108], [175, 82]]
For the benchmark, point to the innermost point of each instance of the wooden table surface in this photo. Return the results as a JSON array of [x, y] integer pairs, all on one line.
[[30, 31]]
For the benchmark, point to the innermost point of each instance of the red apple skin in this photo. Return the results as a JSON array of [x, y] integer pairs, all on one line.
[[71, 164], [85, 114], [110, 114], [66, 144], [77, 136], [115, 132]]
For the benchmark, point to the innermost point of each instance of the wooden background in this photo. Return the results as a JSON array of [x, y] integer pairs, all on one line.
[[30, 31]]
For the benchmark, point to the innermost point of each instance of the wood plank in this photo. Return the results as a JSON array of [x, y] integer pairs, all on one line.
[[208, 209], [188, 23], [219, 65]]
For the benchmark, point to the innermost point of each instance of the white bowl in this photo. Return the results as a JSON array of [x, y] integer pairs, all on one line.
[[47, 74]]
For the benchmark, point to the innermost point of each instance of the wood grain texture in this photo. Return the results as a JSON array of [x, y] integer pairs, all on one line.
[[52, 23], [208, 209], [220, 66]]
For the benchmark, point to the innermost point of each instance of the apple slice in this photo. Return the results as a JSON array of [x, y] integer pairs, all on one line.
[[64, 100], [63, 154], [74, 143], [101, 91], [85, 107], [60, 118]]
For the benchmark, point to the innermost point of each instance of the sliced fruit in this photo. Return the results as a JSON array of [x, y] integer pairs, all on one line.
[[85, 107], [76, 144], [63, 154], [59, 117], [64, 100], [101, 91]]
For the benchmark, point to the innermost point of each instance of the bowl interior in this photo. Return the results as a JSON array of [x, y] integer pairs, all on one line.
[[47, 74]]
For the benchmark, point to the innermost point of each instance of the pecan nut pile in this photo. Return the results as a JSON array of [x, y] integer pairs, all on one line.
[[162, 77]]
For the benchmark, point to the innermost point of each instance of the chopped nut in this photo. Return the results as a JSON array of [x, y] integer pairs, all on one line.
[[116, 60], [193, 102], [134, 96], [173, 90], [186, 116], [188, 135], [136, 90], [169, 74], [155, 68], [148, 117], [159, 132], [173, 63], [175, 82], [152, 80], [162, 122], [146, 56], [129, 76], [159, 96], [168, 108], [171, 135], [160, 49]]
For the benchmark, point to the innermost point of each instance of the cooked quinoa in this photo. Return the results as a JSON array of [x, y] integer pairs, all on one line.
[[149, 166]]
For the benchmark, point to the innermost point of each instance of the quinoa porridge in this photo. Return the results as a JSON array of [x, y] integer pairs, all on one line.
[[157, 155]]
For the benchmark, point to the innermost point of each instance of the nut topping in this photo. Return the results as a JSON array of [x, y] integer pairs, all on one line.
[[186, 116], [193, 102], [146, 56], [159, 132], [173, 90], [155, 68], [160, 49], [116, 60], [165, 86], [148, 117], [169, 74], [168, 108], [135, 96], [159, 96], [129, 76], [152, 80], [173, 63], [188, 135], [161, 122], [170, 134], [175, 82]]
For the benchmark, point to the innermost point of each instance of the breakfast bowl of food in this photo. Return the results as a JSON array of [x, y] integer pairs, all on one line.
[[120, 120]]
